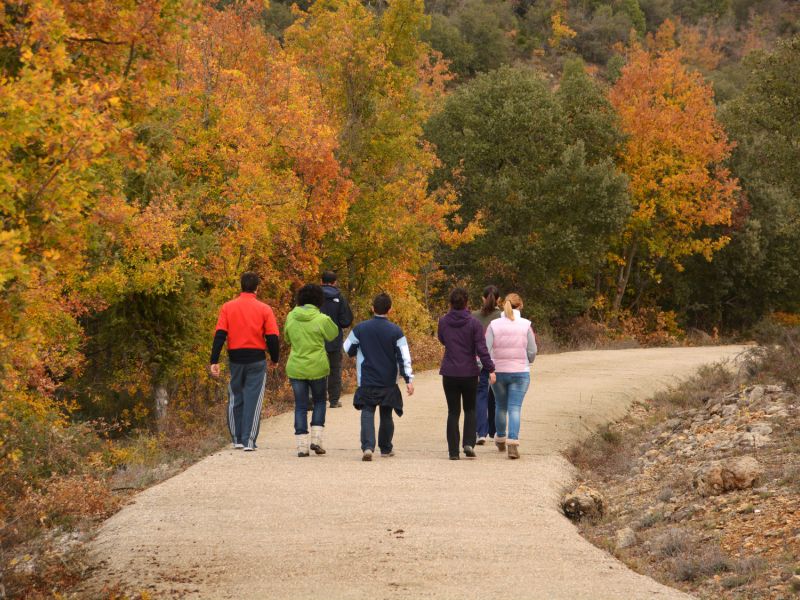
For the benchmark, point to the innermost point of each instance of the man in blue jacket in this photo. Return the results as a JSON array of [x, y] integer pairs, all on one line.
[[382, 353], [338, 310]]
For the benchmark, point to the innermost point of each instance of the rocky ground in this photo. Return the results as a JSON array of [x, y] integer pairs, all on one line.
[[700, 487]]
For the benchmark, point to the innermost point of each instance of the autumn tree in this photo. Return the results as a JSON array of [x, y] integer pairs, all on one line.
[[63, 152], [241, 174], [674, 156], [57, 176], [379, 85]]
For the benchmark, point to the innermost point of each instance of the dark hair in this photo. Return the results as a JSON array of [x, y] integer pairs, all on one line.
[[250, 282], [459, 298], [490, 297], [329, 277], [382, 303], [311, 293]]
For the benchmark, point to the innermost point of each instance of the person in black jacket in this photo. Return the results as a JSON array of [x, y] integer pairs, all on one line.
[[338, 310]]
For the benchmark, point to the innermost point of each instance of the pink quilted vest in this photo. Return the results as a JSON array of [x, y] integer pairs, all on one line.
[[510, 344]]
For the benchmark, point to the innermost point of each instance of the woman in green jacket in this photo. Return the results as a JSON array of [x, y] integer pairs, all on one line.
[[306, 330]]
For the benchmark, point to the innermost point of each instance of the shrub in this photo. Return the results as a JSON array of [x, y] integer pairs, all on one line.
[[710, 563], [673, 543], [650, 327]]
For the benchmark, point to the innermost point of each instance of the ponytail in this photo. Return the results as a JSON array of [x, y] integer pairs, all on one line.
[[512, 301], [508, 309], [490, 297]]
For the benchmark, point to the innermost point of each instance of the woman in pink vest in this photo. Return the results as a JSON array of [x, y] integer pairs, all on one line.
[[511, 343]]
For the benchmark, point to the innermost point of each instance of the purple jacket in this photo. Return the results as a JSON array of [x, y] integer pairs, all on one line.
[[463, 339]]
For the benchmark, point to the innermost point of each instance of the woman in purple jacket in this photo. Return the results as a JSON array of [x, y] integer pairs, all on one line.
[[463, 339]]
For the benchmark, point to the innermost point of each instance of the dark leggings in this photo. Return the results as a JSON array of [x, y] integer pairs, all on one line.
[[460, 390]]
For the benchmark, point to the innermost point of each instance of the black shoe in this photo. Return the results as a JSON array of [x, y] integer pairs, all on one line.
[[336, 405], [469, 452], [455, 457]]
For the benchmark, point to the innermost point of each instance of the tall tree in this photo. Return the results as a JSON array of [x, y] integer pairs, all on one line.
[[379, 85], [759, 271], [549, 200], [241, 175], [674, 157]]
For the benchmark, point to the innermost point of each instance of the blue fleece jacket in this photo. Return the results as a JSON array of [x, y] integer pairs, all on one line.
[[382, 352]]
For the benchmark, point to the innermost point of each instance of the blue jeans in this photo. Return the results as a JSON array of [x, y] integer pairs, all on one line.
[[509, 392], [484, 406], [385, 431], [301, 387]]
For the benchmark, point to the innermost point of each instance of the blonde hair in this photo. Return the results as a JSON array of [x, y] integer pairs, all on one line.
[[511, 302]]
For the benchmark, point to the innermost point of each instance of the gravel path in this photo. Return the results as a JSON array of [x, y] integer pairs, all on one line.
[[270, 525]]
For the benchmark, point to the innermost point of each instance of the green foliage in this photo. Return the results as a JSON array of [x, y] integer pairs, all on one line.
[[589, 115], [549, 200], [656, 12], [635, 14], [484, 25], [614, 67], [476, 36], [694, 10], [445, 37], [759, 271], [598, 35]]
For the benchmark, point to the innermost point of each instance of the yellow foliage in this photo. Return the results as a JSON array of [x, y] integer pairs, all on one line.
[[787, 319], [561, 31]]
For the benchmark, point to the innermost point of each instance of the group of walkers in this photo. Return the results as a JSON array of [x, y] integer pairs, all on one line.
[[485, 370]]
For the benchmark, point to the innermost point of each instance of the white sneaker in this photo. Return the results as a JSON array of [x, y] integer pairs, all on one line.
[[481, 441], [238, 446], [249, 449]]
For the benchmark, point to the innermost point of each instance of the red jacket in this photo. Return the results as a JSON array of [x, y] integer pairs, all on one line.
[[247, 323]]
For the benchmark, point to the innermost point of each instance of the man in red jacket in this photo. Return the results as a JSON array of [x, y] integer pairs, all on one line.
[[251, 330]]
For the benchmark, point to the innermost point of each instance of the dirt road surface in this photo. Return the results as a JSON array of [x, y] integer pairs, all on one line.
[[270, 525]]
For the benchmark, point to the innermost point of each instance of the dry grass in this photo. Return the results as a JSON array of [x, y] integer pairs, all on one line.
[[688, 568], [674, 542]]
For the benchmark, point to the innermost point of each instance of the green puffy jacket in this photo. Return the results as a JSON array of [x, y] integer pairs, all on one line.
[[307, 330]]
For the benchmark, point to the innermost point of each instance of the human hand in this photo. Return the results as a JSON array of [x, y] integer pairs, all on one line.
[[410, 388], [492, 378], [214, 370]]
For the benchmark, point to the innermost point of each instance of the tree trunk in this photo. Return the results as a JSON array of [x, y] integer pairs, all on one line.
[[624, 275], [161, 398]]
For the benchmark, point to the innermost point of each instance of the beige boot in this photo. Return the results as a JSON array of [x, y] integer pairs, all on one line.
[[500, 442], [513, 449], [316, 439], [302, 444]]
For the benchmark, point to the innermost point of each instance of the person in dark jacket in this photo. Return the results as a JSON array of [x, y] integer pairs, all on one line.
[[463, 339], [338, 310], [484, 403], [382, 353], [250, 329]]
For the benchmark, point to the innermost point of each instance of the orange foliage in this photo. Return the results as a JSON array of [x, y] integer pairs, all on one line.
[[674, 157], [379, 84], [255, 135]]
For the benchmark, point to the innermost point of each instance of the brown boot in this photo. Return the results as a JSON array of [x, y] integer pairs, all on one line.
[[500, 442], [513, 449]]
